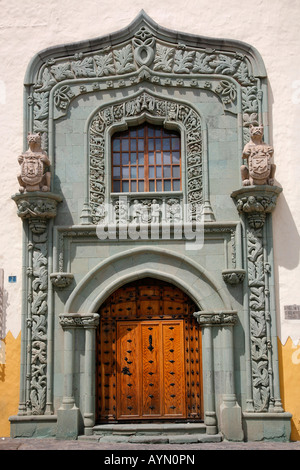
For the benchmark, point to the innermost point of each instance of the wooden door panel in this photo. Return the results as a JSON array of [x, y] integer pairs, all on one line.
[[151, 369], [173, 366], [148, 355], [107, 370], [128, 370]]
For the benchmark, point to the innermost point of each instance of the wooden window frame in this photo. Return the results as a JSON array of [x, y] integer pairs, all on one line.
[[132, 136]]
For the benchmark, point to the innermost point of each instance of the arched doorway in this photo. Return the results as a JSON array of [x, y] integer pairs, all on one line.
[[148, 355]]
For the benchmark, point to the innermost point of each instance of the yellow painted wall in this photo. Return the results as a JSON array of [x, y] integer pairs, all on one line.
[[9, 380], [289, 370]]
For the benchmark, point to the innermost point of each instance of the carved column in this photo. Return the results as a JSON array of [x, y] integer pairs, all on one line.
[[37, 210], [230, 412], [255, 203], [68, 413]]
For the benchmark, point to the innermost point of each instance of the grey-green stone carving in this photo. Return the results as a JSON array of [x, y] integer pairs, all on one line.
[[212, 92]]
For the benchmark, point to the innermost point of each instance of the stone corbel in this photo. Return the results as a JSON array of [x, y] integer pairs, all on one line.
[[37, 207], [256, 202], [61, 280], [233, 276]]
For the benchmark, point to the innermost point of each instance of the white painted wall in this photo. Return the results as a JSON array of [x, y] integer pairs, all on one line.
[[271, 26]]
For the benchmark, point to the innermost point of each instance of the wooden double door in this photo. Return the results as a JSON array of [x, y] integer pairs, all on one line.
[[148, 368]]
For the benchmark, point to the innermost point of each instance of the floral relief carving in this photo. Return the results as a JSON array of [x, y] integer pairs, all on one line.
[[141, 57]]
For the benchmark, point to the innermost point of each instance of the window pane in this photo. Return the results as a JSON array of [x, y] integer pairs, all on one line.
[[141, 185], [133, 145], [133, 158], [125, 158], [158, 144], [125, 145], [151, 158], [176, 185], [175, 143], [167, 185], [158, 185], [125, 172], [116, 159], [167, 157], [141, 172], [166, 144], [176, 172], [151, 172], [133, 172], [151, 185], [116, 186], [116, 144], [141, 159], [141, 144], [133, 186], [175, 157], [150, 132], [167, 171], [116, 171], [125, 186], [158, 172], [133, 133], [141, 132], [150, 144], [158, 158]]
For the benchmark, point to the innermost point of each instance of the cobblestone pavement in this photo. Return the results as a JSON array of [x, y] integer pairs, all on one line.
[[54, 444]]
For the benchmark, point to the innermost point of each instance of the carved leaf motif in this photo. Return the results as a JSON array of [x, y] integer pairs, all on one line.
[[84, 68], [39, 304], [183, 61], [41, 107], [242, 74], [201, 63], [249, 99], [47, 80], [124, 59], [164, 58], [105, 65], [225, 65], [62, 71]]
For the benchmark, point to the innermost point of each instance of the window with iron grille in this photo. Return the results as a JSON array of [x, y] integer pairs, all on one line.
[[146, 158]]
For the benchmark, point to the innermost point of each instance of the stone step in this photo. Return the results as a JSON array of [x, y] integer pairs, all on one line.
[[154, 439], [149, 428], [152, 433]]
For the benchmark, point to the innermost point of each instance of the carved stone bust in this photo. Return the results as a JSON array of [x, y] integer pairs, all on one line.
[[35, 166], [259, 169]]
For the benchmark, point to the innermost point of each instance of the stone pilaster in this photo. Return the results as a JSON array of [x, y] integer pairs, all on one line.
[[37, 210], [255, 204]]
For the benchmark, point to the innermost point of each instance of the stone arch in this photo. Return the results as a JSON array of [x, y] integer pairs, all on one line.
[[146, 105], [142, 262]]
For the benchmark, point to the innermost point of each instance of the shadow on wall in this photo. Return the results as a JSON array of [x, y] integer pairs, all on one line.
[[286, 236]]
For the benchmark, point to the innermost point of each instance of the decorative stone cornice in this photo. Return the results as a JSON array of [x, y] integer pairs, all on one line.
[[256, 202], [79, 320], [223, 318]]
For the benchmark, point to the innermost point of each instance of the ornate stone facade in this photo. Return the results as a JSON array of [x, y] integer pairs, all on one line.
[[214, 94]]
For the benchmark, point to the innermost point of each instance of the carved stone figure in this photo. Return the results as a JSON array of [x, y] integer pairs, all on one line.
[[35, 166], [258, 154]]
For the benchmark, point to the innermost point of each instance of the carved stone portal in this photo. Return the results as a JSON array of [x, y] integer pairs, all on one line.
[[35, 166], [260, 170]]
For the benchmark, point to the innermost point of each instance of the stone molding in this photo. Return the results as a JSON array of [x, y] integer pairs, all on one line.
[[79, 320], [222, 318]]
